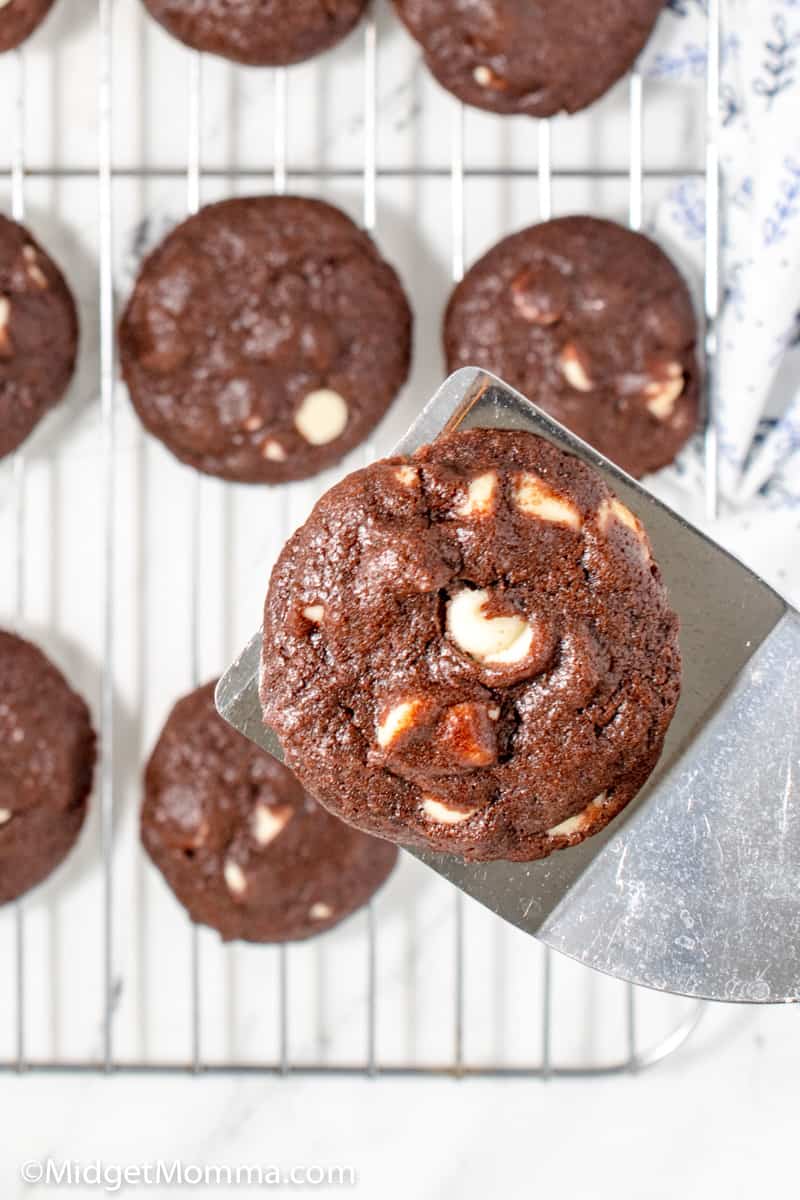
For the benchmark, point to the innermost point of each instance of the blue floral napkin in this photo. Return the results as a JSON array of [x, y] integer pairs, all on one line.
[[759, 367]]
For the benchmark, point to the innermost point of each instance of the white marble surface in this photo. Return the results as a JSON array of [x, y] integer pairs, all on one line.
[[714, 1120], [719, 1121]]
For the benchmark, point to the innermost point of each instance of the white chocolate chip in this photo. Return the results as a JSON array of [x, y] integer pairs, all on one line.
[[668, 370], [3, 3], [535, 498], [269, 821], [322, 417], [662, 395], [567, 828], [492, 640], [575, 368], [494, 713], [253, 423], [5, 816], [539, 295], [485, 77], [614, 509], [465, 737], [625, 515], [399, 718], [320, 911], [35, 272], [314, 613], [517, 652], [580, 821], [235, 878], [199, 836], [437, 811], [5, 319], [479, 499], [406, 475], [273, 450]]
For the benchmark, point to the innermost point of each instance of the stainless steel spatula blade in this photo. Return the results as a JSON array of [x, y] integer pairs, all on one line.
[[695, 888]]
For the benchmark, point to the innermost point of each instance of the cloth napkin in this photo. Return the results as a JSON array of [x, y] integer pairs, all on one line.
[[758, 403]]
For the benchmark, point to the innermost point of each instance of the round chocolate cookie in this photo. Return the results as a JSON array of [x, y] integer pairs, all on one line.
[[593, 323], [38, 334], [240, 843], [47, 755], [19, 18], [265, 338], [471, 649], [516, 56], [260, 33]]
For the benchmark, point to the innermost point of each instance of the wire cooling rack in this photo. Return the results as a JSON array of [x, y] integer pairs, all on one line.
[[443, 965]]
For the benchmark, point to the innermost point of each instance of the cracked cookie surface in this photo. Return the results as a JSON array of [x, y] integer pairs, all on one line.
[[516, 56], [265, 338], [38, 334], [593, 323], [266, 33], [47, 756], [471, 649], [244, 848]]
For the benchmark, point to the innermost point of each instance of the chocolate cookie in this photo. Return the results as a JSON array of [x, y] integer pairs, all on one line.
[[240, 843], [38, 334], [265, 338], [471, 649], [593, 323], [261, 33], [19, 18], [47, 755], [515, 56]]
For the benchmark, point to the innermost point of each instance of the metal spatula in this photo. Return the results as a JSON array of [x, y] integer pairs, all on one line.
[[695, 888]]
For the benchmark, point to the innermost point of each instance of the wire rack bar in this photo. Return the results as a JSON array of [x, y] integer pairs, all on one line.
[[280, 183], [370, 216], [283, 993], [546, 1069], [18, 133], [646, 1060], [18, 213], [326, 171], [457, 235], [371, 171], [107, 396], [544, 182], [636, 150], [635, 218], [457, 175], [544, 171], [281, 131], [194, 154], [712, 252]]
